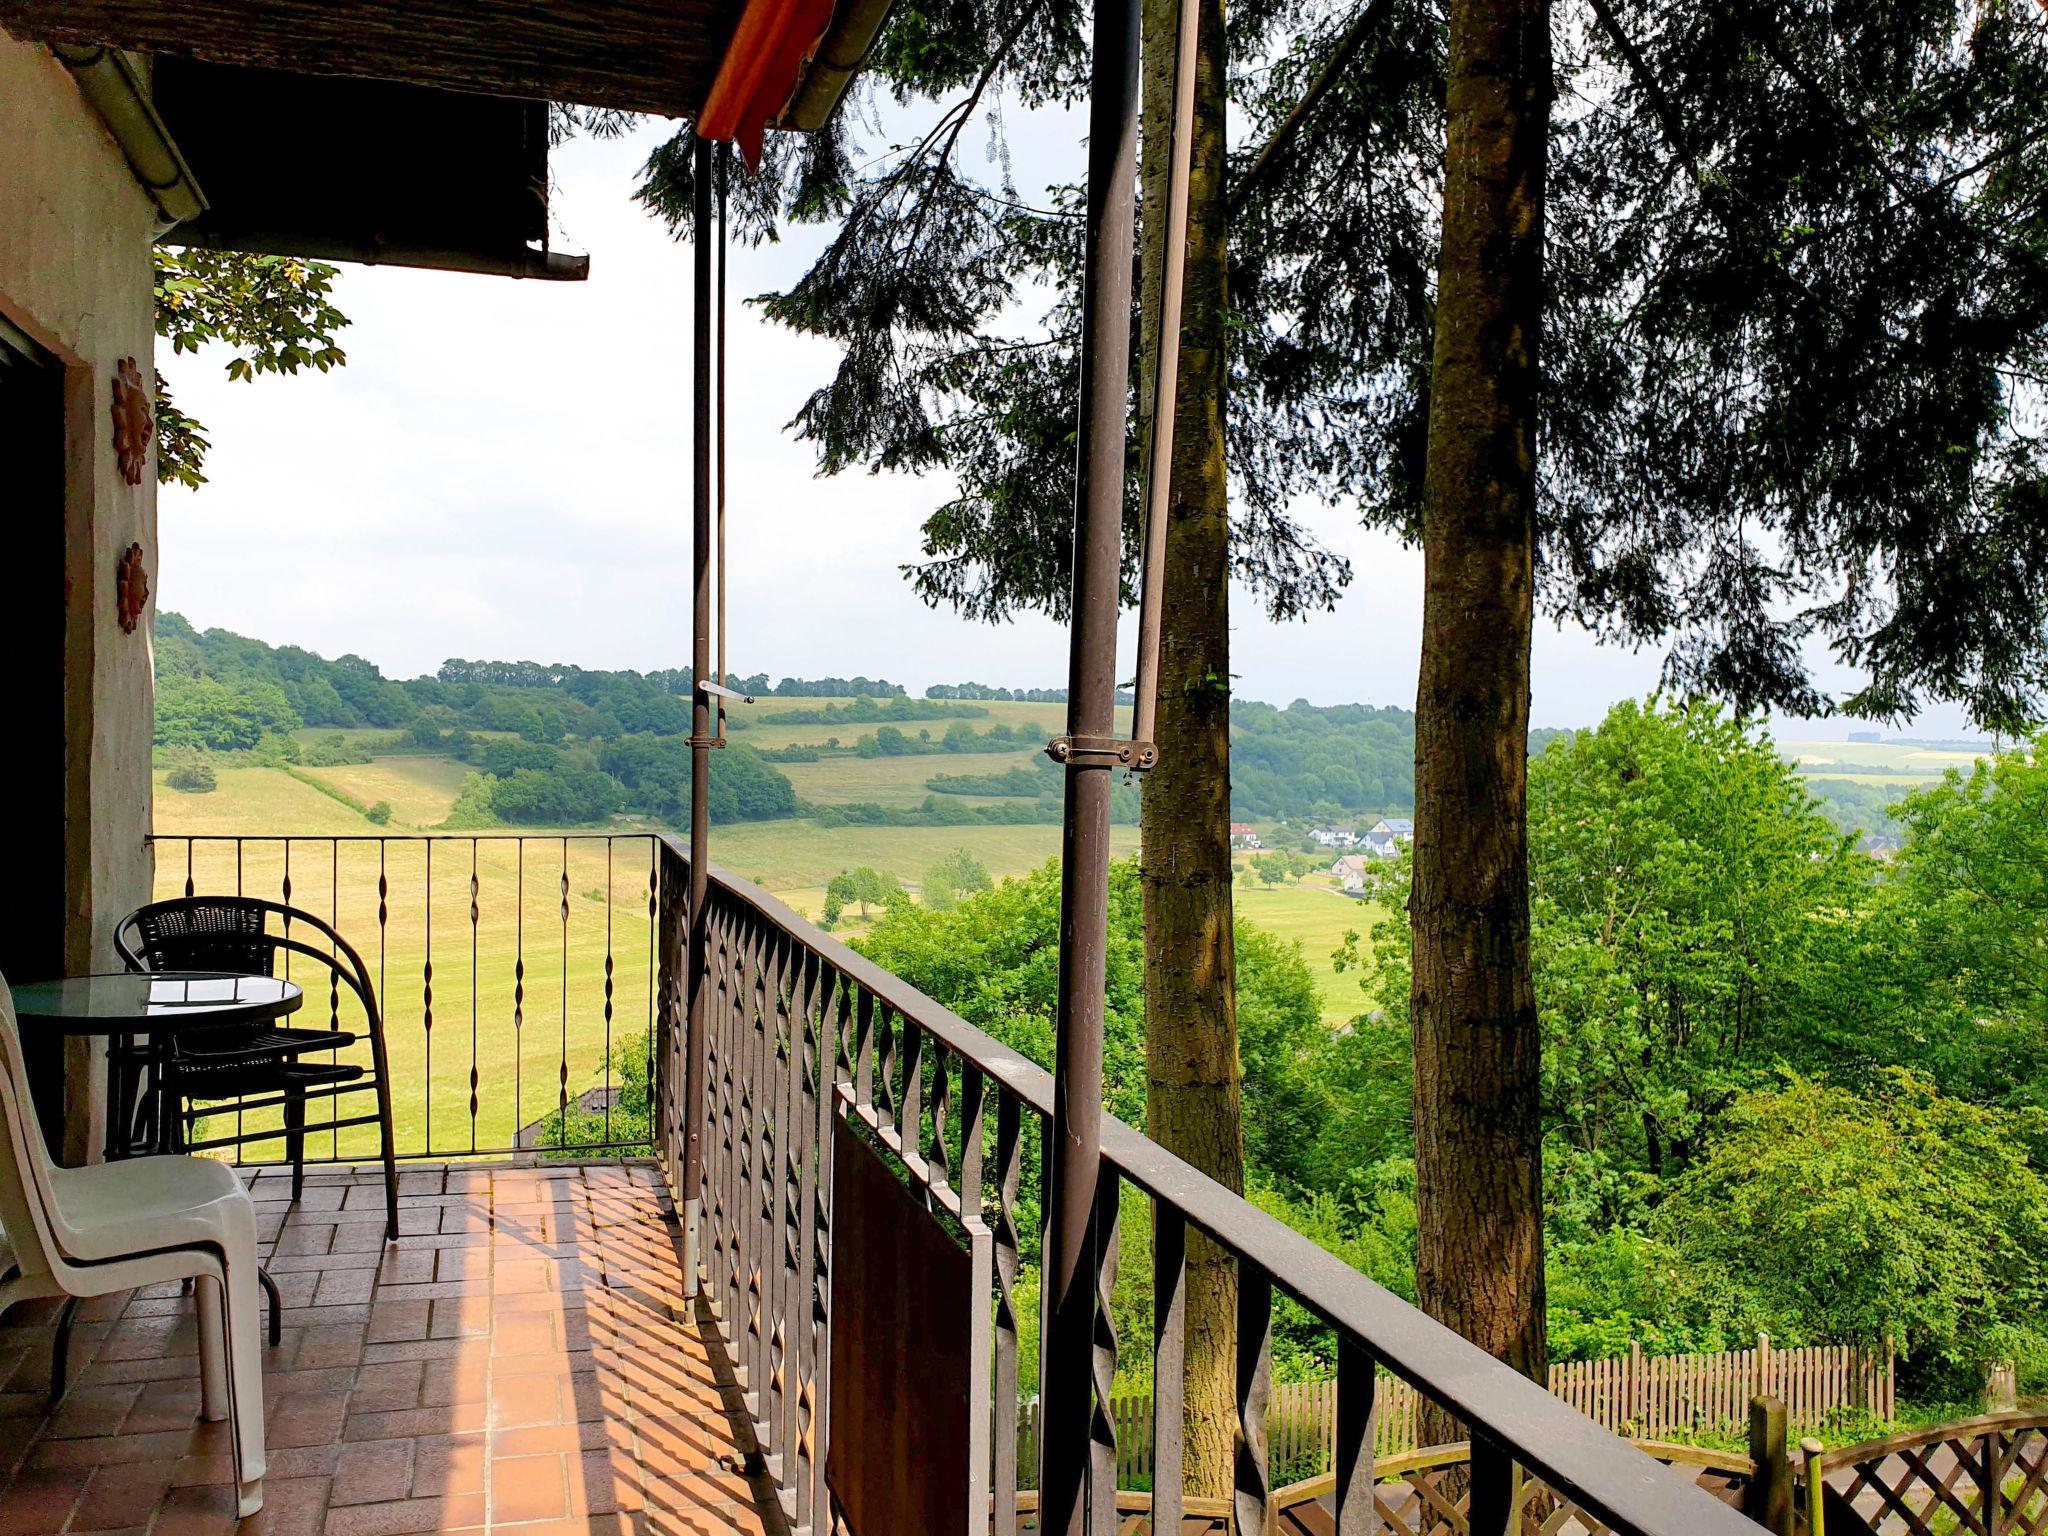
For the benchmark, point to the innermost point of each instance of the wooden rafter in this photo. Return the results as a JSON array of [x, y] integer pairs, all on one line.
[[637, 55]]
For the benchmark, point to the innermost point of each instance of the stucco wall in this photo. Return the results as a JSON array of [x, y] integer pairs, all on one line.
[[75, 233]]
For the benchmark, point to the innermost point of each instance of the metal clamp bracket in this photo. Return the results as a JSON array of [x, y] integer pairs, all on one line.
[[1088, 751], [724, 692], [703, 741]]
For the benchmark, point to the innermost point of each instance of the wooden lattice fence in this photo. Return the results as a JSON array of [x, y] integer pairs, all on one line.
[[1980, 1477]]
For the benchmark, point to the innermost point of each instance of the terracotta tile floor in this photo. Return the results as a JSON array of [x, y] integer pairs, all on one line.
[[520, 1360]]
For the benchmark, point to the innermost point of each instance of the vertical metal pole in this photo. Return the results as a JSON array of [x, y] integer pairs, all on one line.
[[1165, 383], [720, 668], [700, 715], [1075, 1251]]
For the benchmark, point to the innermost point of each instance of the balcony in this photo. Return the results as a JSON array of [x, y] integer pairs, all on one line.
[[528, 1352], [522, 1357]]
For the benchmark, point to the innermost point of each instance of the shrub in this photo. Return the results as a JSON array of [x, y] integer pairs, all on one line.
[[194, 776], [379, 815]]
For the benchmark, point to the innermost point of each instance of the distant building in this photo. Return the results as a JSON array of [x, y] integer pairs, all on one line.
[[1387, 836], [1350, 873], [1335, 837], [1242, 835]]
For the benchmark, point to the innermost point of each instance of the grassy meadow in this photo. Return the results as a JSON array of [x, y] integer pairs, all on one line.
[[1907, 764], [1315, 913]]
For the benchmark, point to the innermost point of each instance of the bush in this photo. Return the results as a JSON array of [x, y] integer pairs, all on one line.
[[570, 1132], [194, 776], [332, 752], [379, 815]]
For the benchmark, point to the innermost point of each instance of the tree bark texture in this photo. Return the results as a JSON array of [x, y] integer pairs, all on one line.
[[1193, 1104], [1478, 1134]]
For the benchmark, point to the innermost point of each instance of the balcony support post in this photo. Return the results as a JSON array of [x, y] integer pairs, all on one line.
[[704, 322], [1075, 1237]]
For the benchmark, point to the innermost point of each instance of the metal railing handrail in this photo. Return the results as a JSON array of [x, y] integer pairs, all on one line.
[[1608, 1476]]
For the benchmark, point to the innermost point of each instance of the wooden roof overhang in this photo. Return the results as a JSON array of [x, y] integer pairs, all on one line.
[[654, 56], [415, 131]]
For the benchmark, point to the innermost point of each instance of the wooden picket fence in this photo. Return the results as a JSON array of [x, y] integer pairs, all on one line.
[[1645, 1397], [1653, 1397]]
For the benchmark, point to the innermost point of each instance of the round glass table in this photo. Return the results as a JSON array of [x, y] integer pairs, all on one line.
[[159, 1006], [129, 1003]]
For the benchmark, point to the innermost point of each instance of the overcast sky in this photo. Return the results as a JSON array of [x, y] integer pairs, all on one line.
[[502, 470]]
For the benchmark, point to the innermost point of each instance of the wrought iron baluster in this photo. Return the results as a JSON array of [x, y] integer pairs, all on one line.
[[761, 1218], [1009, 1178], [836, 1068], [1169, 1363], [383, 928], [973, 1091], [334, 975], [725, 1172], [475, 890], [562, 1069], [608, 991], [1351, 1459], [910, 1116], [519, 990], [811, 1072], [789, 1130], [864, 1050], [427, 1001], [941, 1153], [190, 888], [1102, 1427], [747, 1210], [1253, 1481], [653, 945]]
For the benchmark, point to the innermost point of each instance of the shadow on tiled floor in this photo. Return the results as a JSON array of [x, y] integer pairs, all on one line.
[[521, 1359]]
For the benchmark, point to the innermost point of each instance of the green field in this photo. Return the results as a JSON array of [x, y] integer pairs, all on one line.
[[1315, 912], [894, 780], [419, 790], [1843, 759]]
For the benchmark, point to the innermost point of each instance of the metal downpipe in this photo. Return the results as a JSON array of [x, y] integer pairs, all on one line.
[[1075, 1250], [702, 385]]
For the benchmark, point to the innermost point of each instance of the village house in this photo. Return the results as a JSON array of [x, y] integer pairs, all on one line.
[[1242, 836], [1335, 837], [1387, 836], [1350, 873]]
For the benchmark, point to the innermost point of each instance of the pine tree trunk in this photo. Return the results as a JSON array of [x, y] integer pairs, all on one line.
[[1192, 1105], [1478, 1148]]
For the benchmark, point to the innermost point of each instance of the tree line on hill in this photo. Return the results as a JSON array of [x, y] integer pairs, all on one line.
[[985, 692], [674, 680], [222, 692]]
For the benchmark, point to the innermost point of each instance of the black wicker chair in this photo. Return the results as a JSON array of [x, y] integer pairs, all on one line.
[[265, 1066]]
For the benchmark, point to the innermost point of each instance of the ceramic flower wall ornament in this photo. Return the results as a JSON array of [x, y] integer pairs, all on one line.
[[131, 421]]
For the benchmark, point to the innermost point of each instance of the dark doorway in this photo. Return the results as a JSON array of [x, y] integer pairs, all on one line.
[[32, 639]]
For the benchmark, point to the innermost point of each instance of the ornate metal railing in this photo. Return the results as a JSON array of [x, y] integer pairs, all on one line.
[[516, 974], [802, 1034]]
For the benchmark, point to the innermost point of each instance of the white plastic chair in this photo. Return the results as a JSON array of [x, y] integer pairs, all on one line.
[[79, 1232]]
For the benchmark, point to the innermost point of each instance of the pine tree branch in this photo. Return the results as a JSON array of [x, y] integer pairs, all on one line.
[[1661, 104], [1361, 29]]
